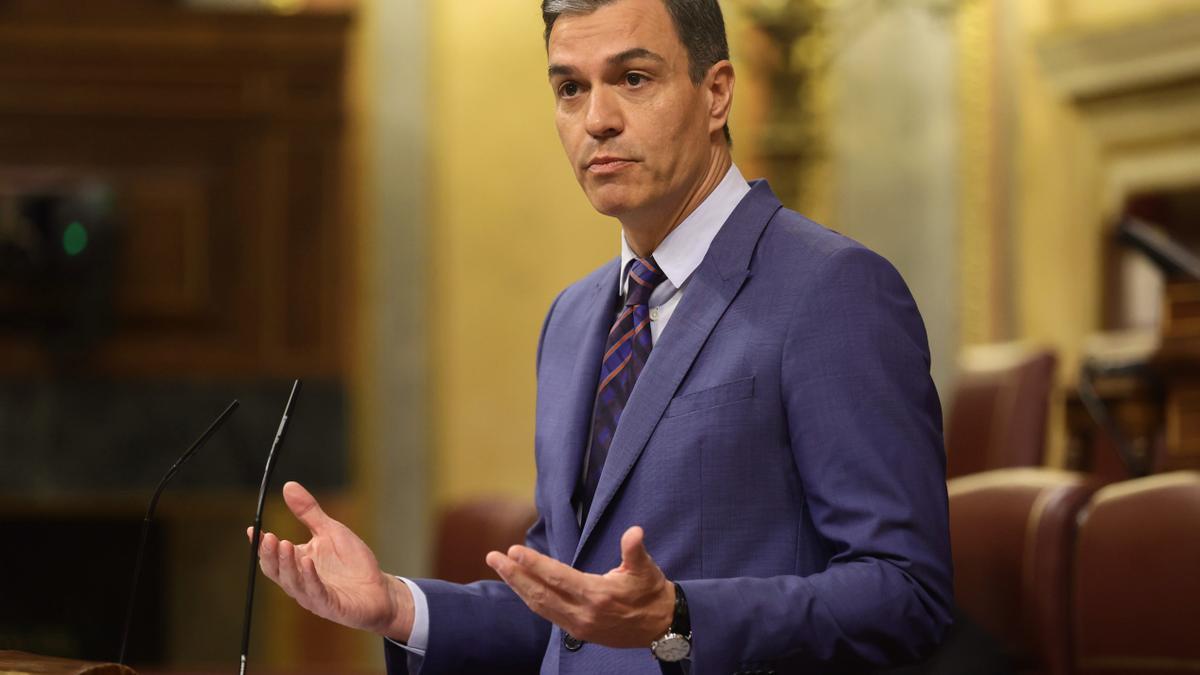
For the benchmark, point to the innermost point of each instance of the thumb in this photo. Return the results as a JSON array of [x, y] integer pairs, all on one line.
[[305, 507], [634, 556]]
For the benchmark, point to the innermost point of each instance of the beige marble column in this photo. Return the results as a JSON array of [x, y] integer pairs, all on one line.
[[389, 180]]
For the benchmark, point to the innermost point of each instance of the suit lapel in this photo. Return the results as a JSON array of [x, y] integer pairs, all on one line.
[[592, 319], [712, 287]]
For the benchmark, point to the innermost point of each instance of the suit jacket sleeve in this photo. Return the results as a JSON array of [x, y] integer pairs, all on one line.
[[477, 628], [865, 430], [484, 626]]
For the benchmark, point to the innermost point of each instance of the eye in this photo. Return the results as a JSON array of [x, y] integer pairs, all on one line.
[[568, 89], [634, 79]]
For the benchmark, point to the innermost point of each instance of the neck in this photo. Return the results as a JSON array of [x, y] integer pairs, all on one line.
[[645, 231]]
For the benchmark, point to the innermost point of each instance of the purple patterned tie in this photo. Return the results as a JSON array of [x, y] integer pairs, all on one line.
[[625, 353]]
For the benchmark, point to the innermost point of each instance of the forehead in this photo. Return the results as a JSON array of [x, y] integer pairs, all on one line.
[[612, 29]]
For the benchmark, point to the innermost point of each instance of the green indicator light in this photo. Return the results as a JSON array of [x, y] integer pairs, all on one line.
[[75, 238]]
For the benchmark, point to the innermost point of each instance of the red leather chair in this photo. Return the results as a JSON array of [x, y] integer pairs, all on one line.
[[997, 416], [1137, 578], [1012, 532], [468, 530]]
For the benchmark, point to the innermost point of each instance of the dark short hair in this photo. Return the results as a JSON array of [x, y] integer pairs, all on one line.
[[698, 23]]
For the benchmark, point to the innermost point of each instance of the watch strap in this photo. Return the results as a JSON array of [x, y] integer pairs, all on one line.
[[681, 623], [675, 668]]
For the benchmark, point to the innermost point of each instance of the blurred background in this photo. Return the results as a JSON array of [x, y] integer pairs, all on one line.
[[203, 199]]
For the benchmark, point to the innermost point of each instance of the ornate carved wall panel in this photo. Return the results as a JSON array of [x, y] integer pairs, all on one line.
[[218, 140]]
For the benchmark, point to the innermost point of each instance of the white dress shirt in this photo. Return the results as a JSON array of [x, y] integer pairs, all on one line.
[[685, 247], [677, 256]]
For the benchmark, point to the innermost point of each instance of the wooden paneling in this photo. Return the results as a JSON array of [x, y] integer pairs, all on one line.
[[220, 138]]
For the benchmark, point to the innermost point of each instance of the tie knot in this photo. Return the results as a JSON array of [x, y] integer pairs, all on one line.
[[644, 277]]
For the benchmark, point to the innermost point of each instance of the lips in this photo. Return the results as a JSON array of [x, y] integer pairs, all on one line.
[[606, 165]]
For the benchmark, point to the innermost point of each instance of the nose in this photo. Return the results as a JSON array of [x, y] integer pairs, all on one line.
[[604, 118]]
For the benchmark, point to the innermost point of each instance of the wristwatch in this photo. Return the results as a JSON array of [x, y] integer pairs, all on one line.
[[676, 644]]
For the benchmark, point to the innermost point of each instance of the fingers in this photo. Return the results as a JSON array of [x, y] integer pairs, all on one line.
[[634, 556], [310, 578], [294, 571], [499, 562], [556, 575], [558, 592], [305, 507], [627, 607], [297, 572], [268, 556], [508, 569], [535, 593], [282, 563], [289, 574]]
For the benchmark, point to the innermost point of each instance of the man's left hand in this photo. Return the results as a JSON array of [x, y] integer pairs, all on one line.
[[630, 606]]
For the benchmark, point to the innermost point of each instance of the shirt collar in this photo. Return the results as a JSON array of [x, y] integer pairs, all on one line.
[[684, 248]]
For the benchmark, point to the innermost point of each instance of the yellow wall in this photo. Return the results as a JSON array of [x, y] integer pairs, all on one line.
[[1078, 13], [1057, 266], [509, 229]]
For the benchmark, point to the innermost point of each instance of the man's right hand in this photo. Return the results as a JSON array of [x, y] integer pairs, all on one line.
[[335, 575]]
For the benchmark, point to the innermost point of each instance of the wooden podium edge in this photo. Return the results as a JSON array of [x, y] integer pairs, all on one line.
[[21, 663]]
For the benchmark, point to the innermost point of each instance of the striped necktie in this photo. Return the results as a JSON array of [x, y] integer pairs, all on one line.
[[625, 353]]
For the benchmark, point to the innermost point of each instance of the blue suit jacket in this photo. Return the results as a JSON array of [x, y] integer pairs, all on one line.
[[782, 449]]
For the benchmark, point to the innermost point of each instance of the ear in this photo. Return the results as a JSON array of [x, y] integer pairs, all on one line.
[[719, 84]]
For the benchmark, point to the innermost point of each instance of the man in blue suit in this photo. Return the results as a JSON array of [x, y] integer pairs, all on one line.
[[739, 450]]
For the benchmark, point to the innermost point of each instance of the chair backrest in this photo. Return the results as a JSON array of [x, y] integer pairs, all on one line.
[[1137, 578], [997, 417], [466, 531], [1011, 532]]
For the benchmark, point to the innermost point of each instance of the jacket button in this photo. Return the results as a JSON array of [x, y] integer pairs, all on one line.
[[571, 642]]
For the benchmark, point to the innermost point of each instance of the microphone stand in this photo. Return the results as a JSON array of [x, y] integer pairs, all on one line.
[[257, 534], [162, 484]]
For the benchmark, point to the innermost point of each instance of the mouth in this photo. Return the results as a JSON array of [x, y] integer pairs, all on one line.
[[604, 165]]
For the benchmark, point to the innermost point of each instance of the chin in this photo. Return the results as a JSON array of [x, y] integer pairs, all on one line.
[[611, 200]]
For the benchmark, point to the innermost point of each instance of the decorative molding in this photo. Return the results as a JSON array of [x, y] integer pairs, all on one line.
[[1114, 61], [790, 142]]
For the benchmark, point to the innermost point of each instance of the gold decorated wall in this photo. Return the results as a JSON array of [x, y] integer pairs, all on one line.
[[1036, 200]]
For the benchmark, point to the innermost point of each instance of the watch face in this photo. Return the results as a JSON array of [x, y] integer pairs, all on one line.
[[671, 648]]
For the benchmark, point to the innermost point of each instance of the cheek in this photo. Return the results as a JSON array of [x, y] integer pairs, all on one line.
[[569, 137], [670, 127], [562, 124]]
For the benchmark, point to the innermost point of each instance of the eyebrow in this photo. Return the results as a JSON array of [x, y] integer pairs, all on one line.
[[635, 53], [616, 59]]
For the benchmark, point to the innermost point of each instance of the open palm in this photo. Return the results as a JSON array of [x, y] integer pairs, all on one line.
[[334, 574]]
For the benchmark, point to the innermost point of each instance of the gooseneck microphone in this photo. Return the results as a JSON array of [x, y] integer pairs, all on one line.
[[257, 534], [162, 484]]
